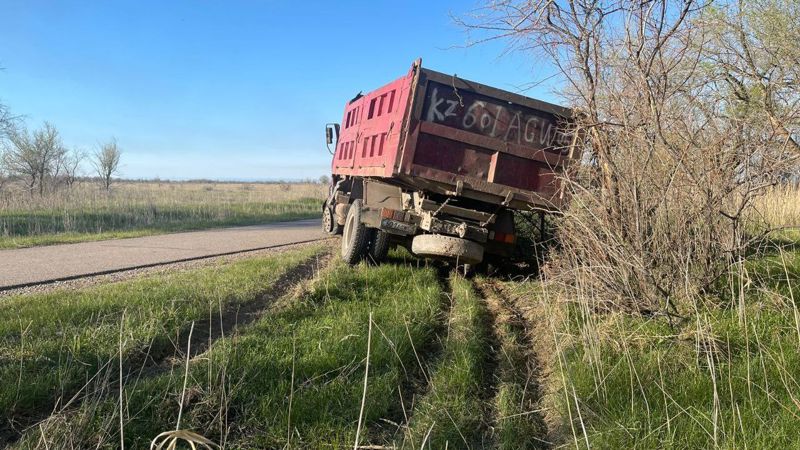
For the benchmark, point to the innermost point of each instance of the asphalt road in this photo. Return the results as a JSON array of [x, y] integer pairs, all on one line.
[[29, 266]]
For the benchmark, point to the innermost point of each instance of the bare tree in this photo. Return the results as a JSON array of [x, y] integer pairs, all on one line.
[[668, 172], [7, 122], [69, 167], [3, 134], [3, 170], [34, 156], [49, 150], [753, 47], [20, 159], [106, 162]]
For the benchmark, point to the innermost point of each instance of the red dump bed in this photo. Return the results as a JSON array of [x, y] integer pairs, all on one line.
[[436, 132]]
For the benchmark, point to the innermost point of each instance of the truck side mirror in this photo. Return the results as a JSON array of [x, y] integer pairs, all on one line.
[[331, 135]]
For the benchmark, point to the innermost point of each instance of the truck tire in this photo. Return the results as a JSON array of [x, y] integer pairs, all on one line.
[[440, 246], [378, 246], [355, 237], [329, 224]]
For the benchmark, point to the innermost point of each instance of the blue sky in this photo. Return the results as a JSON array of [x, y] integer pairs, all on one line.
[[226, 90]]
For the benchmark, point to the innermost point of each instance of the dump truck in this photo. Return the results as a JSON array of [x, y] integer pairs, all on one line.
[[439, 165]]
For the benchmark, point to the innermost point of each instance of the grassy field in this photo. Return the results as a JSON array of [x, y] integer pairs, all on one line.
[[454, 408], [453, 363], [107, 364], [85, 212], [59, 345], [400, 355], [779, 208]]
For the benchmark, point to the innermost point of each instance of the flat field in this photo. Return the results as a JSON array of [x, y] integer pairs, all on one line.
[[86, 212]]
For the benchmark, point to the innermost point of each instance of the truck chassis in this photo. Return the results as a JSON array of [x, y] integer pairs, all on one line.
[[373, 215]]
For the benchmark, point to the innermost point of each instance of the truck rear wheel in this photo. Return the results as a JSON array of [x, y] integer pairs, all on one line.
[[440, 246], [329, 224], [378, 246], [355, 237]]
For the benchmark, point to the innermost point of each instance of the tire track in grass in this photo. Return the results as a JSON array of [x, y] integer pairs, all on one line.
[[208, 331], [453, 411], [518, 420], [416, 383], [372, 293], [308, 348], [491, 357], [163, 358]]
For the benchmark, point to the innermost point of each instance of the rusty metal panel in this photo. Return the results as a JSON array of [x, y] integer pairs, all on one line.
[[382, 195], [494, 142], [452, 156], [498, 119]]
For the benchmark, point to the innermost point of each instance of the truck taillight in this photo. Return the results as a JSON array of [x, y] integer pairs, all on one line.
[[392, 214], [508, 238]]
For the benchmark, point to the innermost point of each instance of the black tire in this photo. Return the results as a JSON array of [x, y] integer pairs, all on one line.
[[355, 237], [378, 246], [329, 224]]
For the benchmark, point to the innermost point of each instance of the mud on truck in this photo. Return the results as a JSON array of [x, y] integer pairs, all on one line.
[[439, 165]]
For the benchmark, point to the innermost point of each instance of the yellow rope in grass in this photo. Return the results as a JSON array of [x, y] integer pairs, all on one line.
[[168, 440]]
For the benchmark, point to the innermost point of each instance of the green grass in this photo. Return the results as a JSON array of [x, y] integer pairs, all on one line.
[[452, 412], [727, 377], [311, 350], [47, 226], [723, 377], [52, 344]]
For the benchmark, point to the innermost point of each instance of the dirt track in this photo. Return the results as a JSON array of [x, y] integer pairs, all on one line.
[[31, 266]]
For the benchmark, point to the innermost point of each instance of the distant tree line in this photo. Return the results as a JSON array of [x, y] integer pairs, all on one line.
[[43, 164]]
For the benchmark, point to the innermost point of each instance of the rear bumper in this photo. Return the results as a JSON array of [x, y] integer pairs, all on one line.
[[397, 227]]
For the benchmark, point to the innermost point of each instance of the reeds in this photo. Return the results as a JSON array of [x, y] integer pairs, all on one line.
[[779, 207]]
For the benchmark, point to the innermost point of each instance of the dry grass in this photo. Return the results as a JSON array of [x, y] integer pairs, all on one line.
[[86, 212], [719, 374], [89, 195], [779, 207]]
